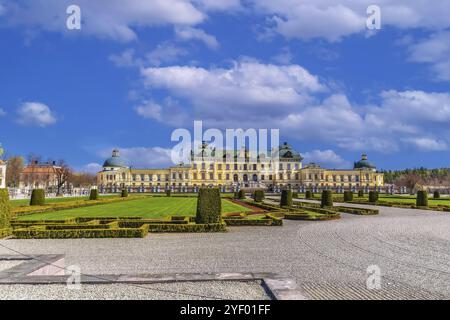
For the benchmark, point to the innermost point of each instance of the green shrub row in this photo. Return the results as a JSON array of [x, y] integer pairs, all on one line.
[[5, 209], [211, 227], [43, 233], [5, 232], [304, 215], [357, 211]]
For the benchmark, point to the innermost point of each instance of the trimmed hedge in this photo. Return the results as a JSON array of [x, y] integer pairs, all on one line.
[[210, 227], [124, 193], [327, 199], [295, 195], [422, 198], [209, 206], [373, 196], [357, 211], [5, 232], [168, 193], [5, 210], [311, 216], [286, 198], [348, 196], [258, 195], [309, 194], [43, 233], [361, 194], [37, 197], [241, 194], [436, 195], [94, 194]]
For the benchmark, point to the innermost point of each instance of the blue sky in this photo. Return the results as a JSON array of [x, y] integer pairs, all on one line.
[[135, 72]]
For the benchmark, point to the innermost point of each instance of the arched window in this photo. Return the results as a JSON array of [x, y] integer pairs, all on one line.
[[255, 177]]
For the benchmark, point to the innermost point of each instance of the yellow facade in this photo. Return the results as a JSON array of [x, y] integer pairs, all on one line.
[[239, 172]]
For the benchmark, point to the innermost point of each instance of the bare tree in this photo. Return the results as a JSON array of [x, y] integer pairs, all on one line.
[[13, 171], [409, 180], [83, 180], [63, 173]]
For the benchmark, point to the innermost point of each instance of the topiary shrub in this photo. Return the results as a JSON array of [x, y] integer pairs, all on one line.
[[286, 198], [236, 195], [373, 196], [5, 209], [361, 194], [258, 195], [94, 194], [124, 193], [209, 206], [295, 195], [241, 194], [37, 197], [422, 198], [309, 194], [327, 199], [348, 196], [436, 195], [168, 192]]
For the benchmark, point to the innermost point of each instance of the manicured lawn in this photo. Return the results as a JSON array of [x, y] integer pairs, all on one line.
[[151, 208], [26, 202]]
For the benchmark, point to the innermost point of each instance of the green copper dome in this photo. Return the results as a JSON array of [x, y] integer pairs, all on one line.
[[364, 163], [115, 160], [286, 152]]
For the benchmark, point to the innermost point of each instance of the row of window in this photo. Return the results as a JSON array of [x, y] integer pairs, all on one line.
[[334, 178], [253, 167]]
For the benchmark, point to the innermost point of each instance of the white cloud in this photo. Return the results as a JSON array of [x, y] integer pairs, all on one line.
[[91, 168], [114, 19], [326, 158], [251, 94], [249, 88], [334, 20], [169, 113], [164, 53], [215, 5], [435, 51], [427, 144], [126, 59], [189, 33], [142, 157], [35, 114]]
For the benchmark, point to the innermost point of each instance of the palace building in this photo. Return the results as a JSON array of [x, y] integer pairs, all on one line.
[[237, 169]]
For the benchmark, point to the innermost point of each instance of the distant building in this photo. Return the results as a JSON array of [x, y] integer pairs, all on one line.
[[236, 169], [2, 174], [39, 176], [364, 174]]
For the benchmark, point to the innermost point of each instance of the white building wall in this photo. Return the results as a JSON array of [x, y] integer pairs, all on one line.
[[2, 175]]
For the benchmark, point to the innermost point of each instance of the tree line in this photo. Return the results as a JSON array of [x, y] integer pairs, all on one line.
[[410, 177]]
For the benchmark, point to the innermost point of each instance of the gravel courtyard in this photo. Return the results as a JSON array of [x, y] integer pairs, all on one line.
[[327, 259]]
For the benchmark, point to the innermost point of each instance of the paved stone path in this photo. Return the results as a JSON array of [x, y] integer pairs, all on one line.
[[327, 259]]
